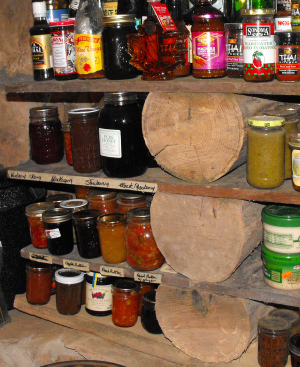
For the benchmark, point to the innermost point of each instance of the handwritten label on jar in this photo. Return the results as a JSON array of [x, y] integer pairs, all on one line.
[[77, 265], [41, 258], [111, 271], [147, 277]]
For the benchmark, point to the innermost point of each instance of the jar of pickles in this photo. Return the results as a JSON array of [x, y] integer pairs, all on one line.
[[125, 305], [265, 152], [38, 283], [34, 214], [104, 201], [111, 229], [127, 201], [141, 248]]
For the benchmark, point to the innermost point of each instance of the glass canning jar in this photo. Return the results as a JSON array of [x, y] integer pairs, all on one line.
[[67, 142], [82, 192], [295, 350], [291, 316], [57, 199], [145, 288], [111, 229], [294, 144], [148, 317], [45, 135], [38, 283], [34, 214], [265, 152], [125, 305], [141, 248], [104, 201], [127, 201]]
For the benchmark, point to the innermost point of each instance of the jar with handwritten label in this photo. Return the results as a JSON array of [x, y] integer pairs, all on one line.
[[104, 201]]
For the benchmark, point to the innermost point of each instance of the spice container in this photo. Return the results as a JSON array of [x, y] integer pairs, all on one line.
[[127, 201], [295, 350], [125, 306], [294, 144], [291, 316], [104, 201], [148, 317], [59, 231], [273, 340], [38, 283], [281, 271], [63, 49], [68, 291], [67, 142], [87, 238], [259, 45], [287, 68], [45, 135], [36, 225], [265, 152], [82, 192], [57, 199], [111, 229], [142, 252], [98, 301], [115, 49], [234, 50], [281, 228], [85, 139]]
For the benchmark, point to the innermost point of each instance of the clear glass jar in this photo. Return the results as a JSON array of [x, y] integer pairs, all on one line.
[[125, 307], [148, 317], [67, 142], [294, 144], [85, 139], [141, 248], [265, 152], [273, 341], [234, 50], [38, 283], [34, 214], [259, 66], [127, 201], [45, 135], [291, 316], [111, 229], [104, 201]]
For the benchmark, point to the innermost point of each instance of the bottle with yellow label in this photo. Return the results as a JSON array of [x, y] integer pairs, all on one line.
[[88, 40]]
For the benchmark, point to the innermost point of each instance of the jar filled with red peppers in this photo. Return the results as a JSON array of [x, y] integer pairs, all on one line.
[[141, 248]]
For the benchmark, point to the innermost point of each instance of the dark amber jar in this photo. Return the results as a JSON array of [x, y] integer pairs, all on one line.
[[144, 288], [104, 201], [125, 306], [45, 135], [295, 350], [148, 317], [85, 139], [115, 49], [287, 67], [67, 142], [38, 283], [127, 201]]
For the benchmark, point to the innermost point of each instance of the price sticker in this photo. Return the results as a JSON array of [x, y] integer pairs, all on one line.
[[287, 275]]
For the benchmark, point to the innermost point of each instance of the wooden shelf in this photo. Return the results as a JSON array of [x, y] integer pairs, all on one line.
[[246, 282], [26, 84], [233, 185]]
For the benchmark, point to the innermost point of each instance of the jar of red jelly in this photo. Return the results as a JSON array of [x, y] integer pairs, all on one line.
[[125, 302], [141, 248], [127, 201], [104, 201], [38, 283], [67, 142], [45, 135], [34, 214]]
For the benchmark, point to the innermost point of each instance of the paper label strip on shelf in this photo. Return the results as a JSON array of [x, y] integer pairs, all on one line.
[[147, 277], [111, 271], [41, 258], [77, 265]]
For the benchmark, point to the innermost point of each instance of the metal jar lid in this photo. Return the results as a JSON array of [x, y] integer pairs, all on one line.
[[233, 26], [38, 209], [58, 198], [86, 214], [126, 285], [287, 114], [258, 11], [120, 18], [291, 316], [112, 219], [44, 111], [83, 111], [139, 213], [281, 215], [295, 140], [69, 276], [266, 121], [119, 97], [274, 325], [57, 215], [129, 197], [102, 195], [74, 204]]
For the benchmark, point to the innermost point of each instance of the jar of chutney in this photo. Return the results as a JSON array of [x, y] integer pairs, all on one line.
[[38, 283], [115, 49], [45, 135]]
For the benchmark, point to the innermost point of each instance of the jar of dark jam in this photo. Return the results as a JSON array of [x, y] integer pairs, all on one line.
[[87, 238], [148, 317], [115, 49], [127, 201], [122, 146], [145, 288], [69, 284], [85, 139], [234, 50], [98, 295], [38, 283], [59, 231], [45, 135]]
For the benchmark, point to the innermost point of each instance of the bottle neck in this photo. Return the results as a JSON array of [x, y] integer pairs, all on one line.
[[40, 19]]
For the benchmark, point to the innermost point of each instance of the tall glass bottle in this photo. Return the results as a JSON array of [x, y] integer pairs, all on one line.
[[40, 40], [232, 8], [88, 40]]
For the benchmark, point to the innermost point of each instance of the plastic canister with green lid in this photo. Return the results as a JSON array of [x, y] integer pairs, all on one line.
[[281, 226], [281, 271]]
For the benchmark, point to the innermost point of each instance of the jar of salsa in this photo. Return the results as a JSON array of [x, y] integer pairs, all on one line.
[[265, 152], [45, 135], [141, 248], [294, 144], [111, 229], [38, 283], [67, 142], [34, 214], [288, 64], [125, 306], [127, 201], [104, 201]]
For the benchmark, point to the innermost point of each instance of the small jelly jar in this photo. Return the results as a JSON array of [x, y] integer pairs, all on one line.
[[295, 350], [141, 248], [111, 229], [34, 214], [127, 201], [59, 231], [38, 283], [273, 341], [104, 201], [67, 142], [125, 305], [87, 238], [148, 317], [69, 284], [291, 316]]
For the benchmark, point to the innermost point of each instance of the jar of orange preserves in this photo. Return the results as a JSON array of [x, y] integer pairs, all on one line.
[[38, 283], [82, 192], [125, 302], [141, 248], [111, 229], [104, 201], [127, 201]]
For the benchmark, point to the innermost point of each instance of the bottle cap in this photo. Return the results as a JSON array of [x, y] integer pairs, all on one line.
[[39, 9]]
